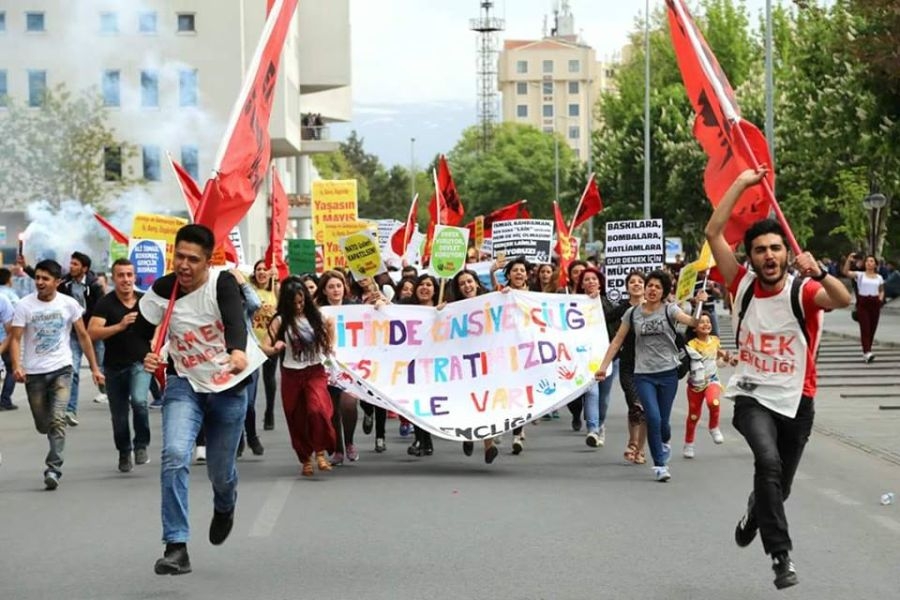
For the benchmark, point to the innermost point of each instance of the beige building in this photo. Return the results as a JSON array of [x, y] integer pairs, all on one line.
[[551, 83], [169, 72]]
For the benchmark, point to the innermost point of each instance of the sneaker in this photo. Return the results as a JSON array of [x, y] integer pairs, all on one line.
[[547, 417], [200, 455], [405, 429], [555, 414], [468, 448], [662, 474], [352, 453], [576, 423], [157, 403], [268, 422], [220, 526], [9, 406], [867, 358], [491, 454], [101, 399], [141, 457], [368, 424], [256, 447], [175, 561], [125, 464], [70, 419], [666, 453], [688, 451], [785, 574], [592, 439], [746, 529], [518, 444], [601, 436], [717, 435], [337, 458], [379, 445], [51, 480]]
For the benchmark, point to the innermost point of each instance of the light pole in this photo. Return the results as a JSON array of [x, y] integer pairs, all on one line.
[[873, 203], [412, 167], [770, 88], [647, 111]]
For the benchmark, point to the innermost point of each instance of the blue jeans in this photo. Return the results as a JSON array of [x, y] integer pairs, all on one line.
[[76, 367], [47, 394], [127, 388], [596, 400], [184, 412], [9, 382], [657, 393]]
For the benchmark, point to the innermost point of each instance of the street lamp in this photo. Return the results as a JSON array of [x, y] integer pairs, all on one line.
[[412, 168], [873, 203]]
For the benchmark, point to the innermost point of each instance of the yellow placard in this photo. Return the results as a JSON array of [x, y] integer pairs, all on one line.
[[706, 260], [687, 280], [334, 202], [148, 226], [479, 231], [362, 254], [333, 257]]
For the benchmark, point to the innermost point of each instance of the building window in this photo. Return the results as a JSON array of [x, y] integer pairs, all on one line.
[[548, 129], [547, 88], [610, 73], [147, 22], [577, 153], [37, 87], [547, 110], [112, 163], [2, 21], [521, 66], [110, 88], [574, 65], [109, 22], [522, 111], [149, 89], [3, 89], [574, 132], [573, 87], [574, 110], [547, 66], [186, 23], [521, 88], [187, 87], [151, 163], [34, 21], [190, 161]]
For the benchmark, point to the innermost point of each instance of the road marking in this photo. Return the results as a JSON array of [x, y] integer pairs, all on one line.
[[886, 522], [839, 497], [271, 511]]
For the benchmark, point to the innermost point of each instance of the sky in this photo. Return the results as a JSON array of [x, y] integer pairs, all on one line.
[[414, 63]]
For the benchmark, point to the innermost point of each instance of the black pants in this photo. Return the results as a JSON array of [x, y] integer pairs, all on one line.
[[777, 443], [380, 417], [269, 368]]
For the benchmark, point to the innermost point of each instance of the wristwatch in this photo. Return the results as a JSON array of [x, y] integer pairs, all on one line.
[[823, 273]]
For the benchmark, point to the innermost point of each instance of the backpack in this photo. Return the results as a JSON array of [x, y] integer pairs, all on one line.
[[684, 359], [796, 308]]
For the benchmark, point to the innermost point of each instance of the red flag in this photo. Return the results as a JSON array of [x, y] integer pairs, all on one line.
[[445, 207], [732, 144], [516, 210], [246, 149], [275, 251], [563, 245], [113, 232], [400, 238], [192, 197], [589, 205]]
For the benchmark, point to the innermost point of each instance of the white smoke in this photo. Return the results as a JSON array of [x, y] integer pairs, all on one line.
[[55, 234]]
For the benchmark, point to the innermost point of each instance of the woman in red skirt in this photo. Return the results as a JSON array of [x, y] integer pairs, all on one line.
[[302, 336]]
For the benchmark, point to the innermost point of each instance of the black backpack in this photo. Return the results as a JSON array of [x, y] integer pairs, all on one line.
[[684, 359]]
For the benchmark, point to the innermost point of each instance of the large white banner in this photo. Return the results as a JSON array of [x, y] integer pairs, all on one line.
[[631, 245], [476, 368]]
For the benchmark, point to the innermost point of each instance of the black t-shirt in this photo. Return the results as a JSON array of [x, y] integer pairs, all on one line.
[[127, 347]]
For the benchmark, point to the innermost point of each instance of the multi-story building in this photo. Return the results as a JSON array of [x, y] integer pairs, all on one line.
[[169, 72], [552, 83]]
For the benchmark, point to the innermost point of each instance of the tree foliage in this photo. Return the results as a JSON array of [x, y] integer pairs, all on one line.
[[56, 152]]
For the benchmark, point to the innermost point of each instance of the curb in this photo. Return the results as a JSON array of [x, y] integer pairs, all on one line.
[[850, 336], [881, 453]]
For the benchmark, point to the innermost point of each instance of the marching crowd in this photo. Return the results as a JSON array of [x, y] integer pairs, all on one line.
[[227, 330]]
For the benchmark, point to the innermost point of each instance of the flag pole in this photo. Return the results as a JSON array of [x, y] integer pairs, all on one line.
[[580, 202], [407, 234], [438, 196]]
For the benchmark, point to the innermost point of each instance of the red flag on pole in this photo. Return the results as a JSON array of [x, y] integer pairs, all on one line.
[[445, 207], [278, 228], [516, 210], [563, 245], [113, 232], [589, 204], [245, 151], [732, 144], [400, 238]]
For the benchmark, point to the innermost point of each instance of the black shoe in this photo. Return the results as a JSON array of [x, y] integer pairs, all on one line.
[[125, 464], [745, 531], [269, 422], [576, 423], [490, 454], [140, 456], [415, 449], [368, 424], [220, 526], [380, 445], [256, 447], [8, 406], [785, 574], [175, 561], [427, 445], [468, 448]]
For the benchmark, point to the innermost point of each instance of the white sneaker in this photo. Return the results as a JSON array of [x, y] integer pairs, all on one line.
[[200, 454], [101, 399], [688, 451], [868, 357], [593, 439], [601, 436], [662, 474], [518, 444], [717, 435]]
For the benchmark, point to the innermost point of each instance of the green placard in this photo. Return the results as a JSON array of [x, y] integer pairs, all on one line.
[[448, 253], [117, 251], [301, 256]]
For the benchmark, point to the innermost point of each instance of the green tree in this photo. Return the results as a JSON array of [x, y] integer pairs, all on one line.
[[56, 153]]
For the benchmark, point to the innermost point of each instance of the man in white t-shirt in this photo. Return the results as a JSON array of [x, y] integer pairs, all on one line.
[[42, 327]]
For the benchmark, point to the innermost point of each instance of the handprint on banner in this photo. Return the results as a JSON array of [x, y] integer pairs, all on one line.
[[567, 373], [579, 380], [581, 349], [546, 387]]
